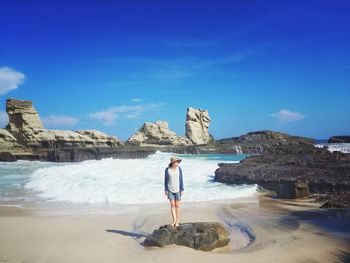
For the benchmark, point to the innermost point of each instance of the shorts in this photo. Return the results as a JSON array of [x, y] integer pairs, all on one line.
[[175, 196]]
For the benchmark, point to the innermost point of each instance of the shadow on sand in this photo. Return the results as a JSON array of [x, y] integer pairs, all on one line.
[[126, 233]]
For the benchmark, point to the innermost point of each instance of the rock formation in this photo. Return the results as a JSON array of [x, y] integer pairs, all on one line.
[[5, 136], [100, 137], [199, 235], [26, 127], [265, 141], [197, 124], [339, 139], [157, 133], [23, 119], [292, 174]]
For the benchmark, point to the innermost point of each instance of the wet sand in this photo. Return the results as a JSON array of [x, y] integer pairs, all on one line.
[[262, 230]]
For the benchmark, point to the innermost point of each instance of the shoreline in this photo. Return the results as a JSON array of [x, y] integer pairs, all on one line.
[[262, 230]]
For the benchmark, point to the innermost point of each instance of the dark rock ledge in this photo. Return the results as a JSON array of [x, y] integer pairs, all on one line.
[[294, 175]]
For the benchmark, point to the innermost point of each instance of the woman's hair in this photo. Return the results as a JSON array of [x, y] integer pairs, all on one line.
[[171, 164]]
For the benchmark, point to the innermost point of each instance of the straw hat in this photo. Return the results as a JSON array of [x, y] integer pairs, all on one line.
[[174, 159]]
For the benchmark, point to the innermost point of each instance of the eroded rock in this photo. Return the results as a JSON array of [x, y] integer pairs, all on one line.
[[197, 125], [157, 133], [198, 235]]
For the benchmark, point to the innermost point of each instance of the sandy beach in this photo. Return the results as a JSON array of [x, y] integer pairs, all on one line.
[[262, 230]]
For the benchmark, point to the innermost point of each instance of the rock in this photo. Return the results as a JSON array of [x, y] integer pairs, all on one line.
[[291, 175], [339, 139], [66, 138], [23, 119], [26, 128], [5, 136], [157, 133], [101, 138], [334, 201], [265, 141], [197, 124], [199, 235], [58, 139]]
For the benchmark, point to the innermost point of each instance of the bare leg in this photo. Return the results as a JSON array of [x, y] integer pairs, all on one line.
[[177, 211], [173, 211]]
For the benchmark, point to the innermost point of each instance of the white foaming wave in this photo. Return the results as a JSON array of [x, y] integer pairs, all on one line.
[[130, 181], [341, 147]]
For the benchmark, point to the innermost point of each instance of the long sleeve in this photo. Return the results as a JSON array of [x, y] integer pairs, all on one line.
[[165, 180], [181, 181]]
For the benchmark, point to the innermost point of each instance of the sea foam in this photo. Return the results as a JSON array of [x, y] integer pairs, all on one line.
[[341, 147], [130, 181]]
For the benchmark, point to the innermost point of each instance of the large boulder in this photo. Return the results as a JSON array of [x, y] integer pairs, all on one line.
[[197, 125], [157, 133], [199, 235]]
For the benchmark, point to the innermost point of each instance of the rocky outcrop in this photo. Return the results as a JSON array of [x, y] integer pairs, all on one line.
[[157, 133], [199, 235], [265, 141], [339, 139], [197, 124], [27, 129], [101, 138], [23, 119], [5, 136], [292, 175]]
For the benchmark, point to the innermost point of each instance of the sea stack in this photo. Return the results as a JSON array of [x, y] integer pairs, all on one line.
[[197, 125]]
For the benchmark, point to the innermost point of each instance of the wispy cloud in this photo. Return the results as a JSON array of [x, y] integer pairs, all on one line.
[[59, 121], [136, 99], [175, 68], [10, 79], [287, 116], [109, 115], [3, 119]]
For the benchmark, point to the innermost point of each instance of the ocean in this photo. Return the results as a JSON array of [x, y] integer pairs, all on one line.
[[115, 181]]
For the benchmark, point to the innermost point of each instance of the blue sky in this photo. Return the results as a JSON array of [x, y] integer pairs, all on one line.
[[113, 65]]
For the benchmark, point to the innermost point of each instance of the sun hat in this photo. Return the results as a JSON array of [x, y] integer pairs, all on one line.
[[174, 159]]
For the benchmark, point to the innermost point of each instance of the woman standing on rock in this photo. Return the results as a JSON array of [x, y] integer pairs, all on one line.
[[174, 187]]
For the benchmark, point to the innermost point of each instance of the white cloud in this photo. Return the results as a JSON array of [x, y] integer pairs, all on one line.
[[109, 115], [10, 79], [61, 120], [136, 100], [4, 119], [106, 116], [287, 115]]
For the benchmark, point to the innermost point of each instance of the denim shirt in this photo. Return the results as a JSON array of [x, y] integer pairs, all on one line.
[[166, 179]]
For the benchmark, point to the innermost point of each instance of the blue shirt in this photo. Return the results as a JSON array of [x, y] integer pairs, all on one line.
[[166, 179]]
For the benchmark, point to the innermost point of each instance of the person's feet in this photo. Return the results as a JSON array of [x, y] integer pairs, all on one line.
[[177, 225], [173, 224]]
